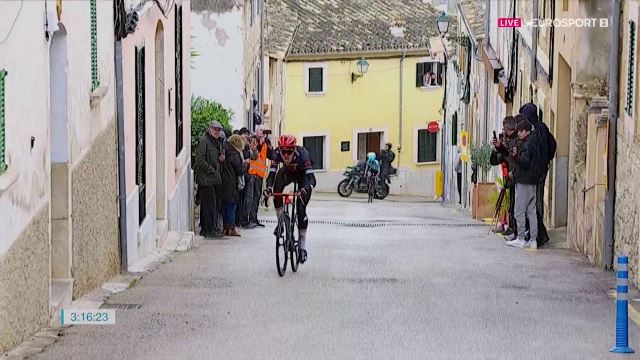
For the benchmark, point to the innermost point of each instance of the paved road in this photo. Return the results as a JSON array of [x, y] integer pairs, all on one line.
[[425, 286]]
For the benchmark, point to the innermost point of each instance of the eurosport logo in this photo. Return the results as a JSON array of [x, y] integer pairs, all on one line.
[[566, 22]]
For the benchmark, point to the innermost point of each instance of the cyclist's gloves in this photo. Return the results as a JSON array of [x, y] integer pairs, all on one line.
[[305, 190], [267, 192]]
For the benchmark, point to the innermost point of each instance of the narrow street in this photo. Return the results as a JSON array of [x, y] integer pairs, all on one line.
[[389, 280]]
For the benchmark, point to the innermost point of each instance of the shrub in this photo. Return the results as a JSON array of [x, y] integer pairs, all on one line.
[[204, 111]]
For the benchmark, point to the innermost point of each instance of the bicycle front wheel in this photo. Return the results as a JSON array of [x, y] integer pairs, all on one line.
[[294, 251], [282, 244]]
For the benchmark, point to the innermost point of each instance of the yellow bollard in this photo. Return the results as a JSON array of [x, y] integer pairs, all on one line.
[[439, 184]]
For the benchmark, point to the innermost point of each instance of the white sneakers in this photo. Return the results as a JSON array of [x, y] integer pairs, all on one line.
[[521, 243]]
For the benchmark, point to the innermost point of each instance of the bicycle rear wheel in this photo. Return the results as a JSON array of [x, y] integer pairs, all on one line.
[[370, 191], [282, 242]]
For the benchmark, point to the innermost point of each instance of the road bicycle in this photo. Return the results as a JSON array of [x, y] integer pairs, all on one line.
[[287, 246], [372, 186]]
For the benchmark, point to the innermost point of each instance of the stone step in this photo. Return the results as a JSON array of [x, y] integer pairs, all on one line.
[[171, 241]]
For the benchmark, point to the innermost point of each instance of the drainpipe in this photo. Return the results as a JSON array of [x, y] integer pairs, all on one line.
[[404, 54], [610, 196], [261, 90], [443, 138], [122, 190], [534, 45], [486, 42]]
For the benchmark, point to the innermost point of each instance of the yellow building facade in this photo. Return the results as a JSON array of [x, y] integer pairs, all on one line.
[[346, 119]]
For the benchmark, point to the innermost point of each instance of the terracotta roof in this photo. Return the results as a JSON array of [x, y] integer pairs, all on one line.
[[473, 13], [337, 26], [281, 25]]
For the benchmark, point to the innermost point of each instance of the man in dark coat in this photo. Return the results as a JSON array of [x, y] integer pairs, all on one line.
[[387, 156], [208, 176], [547, 149], [242, 213]]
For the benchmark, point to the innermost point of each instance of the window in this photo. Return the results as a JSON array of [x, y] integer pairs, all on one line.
[[3, 160], [631, 67], [315, 79], [454, 129], [368, 142], [429, 74], [95, 80], [140, 134], [179, 93], [252, 11], [427, 146], [315, 146], [344, 146]]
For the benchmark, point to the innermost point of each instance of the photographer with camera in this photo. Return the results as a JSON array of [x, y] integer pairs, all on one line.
[[260, 149], [501, 156]]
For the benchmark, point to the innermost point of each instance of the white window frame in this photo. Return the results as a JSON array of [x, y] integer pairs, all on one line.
[[438, 145], [324, 67], [429, 59], [356, 132], [326, 147]]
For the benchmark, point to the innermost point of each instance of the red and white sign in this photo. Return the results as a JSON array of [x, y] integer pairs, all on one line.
[[509, 22], [433, 127]]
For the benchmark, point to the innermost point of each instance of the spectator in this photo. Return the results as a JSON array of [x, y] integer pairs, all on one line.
[[501, 156], [526, 176], [547, 147], [208, 159], [458, 169], [224, 134], [242, 217], [426, 79], [257, 172], [386, 160], [231, 171]]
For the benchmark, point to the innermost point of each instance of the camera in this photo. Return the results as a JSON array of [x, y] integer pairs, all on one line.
[[267, 132]]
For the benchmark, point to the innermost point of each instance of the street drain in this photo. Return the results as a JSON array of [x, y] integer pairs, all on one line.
[[594, 291], [514, 287], [121, 306], [388, 223], [367, 280]]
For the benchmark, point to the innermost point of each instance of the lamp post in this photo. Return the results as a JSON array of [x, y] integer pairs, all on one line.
[[363, 66]]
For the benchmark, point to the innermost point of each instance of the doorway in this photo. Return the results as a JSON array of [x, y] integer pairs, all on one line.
[[368, 142], [561, 122]]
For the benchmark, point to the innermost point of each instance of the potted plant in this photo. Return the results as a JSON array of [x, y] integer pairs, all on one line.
[[481, 205]]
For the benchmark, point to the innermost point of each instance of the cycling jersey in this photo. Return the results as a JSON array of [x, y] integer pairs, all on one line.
[[300, 168]]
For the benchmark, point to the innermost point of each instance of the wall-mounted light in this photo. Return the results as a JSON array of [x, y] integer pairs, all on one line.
[[363, 66]]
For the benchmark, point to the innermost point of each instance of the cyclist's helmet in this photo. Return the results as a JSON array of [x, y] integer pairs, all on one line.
[[371, 156], [287, 142]]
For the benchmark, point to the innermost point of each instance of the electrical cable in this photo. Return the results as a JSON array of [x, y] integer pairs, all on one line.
[[14, 24]]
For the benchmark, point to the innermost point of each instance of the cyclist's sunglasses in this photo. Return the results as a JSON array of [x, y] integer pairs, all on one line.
[[286, 151]]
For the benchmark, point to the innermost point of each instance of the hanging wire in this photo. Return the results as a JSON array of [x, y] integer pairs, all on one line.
[[13, 25]]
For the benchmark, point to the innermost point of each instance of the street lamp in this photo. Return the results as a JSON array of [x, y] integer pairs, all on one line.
[[443, 28], [363, 66]]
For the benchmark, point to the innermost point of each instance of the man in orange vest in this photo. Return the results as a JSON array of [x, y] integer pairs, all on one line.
[[257, 171]]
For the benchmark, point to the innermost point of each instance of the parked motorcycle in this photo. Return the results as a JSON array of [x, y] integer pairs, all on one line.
[[355, 181]]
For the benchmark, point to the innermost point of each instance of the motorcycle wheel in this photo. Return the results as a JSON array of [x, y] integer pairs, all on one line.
[[344, 189], [382, 191]]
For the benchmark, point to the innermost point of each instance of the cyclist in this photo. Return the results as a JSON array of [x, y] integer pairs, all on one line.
[[297, 167], [373, 165]]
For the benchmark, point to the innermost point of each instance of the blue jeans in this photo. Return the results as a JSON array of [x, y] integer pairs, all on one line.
[[229, 213]]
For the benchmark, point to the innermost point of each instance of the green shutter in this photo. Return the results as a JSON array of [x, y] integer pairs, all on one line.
[[630, 70], [315, 79], [179, 93], [420, 70], [427, 146], [95, 81], [141, 169], [3, 161]]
